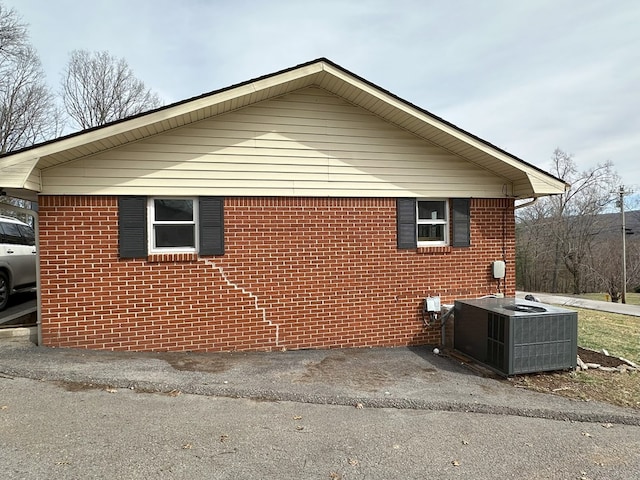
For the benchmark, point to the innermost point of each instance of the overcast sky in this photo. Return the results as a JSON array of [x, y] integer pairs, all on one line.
[[526, 75]]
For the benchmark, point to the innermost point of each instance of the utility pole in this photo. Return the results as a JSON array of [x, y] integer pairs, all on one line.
[[622, 193]]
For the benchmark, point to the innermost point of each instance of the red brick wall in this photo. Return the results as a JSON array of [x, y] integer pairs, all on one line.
[[297, 273]]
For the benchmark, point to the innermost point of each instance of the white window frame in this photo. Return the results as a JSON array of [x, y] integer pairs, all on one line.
[[151, 223], [430, 221]]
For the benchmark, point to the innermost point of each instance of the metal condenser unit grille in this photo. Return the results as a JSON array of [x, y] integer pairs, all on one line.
[[515, 336]]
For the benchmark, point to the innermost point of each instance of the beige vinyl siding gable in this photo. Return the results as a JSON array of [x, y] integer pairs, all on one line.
[[19, 173], [306, 143]]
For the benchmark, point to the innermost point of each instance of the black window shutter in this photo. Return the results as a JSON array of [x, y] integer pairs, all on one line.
[[406, 217], [132, 219], [211, 225], [461, 226]]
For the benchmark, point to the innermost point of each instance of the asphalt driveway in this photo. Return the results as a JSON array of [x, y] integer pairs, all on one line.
[[336, 414], [408, 378]]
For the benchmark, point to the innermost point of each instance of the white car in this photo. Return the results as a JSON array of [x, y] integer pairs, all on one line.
[[18, 258]]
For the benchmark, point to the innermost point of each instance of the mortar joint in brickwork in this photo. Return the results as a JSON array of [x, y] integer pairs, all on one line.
[[251, 295]]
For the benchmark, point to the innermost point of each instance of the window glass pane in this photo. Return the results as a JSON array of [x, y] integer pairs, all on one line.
[[28, 235], [11, 233], [173, 210], [431, 233], [433, 210], [174, 236]]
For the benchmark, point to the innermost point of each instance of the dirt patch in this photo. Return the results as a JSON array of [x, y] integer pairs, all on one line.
[[191, 362], [360, 369], [616, 388], [80, 386], [182, 361], [591, 356], [358, 372], [85, 387]]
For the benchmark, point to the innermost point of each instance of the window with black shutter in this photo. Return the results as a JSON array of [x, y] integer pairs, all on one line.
[[170, 225], [427, 223]]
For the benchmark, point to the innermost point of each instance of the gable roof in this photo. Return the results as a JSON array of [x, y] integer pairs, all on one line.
[[19, 170]]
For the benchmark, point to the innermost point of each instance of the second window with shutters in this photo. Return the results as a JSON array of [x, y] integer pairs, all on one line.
[[433, 222]]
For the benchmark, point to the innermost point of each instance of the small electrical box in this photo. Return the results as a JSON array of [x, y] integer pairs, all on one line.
[[498, 268], [432, 304], [430, 310]]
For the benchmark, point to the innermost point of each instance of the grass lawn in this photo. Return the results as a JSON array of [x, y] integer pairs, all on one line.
[[619, 334]]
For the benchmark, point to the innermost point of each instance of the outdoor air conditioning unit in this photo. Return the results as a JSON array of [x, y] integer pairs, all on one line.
[[513, 336]]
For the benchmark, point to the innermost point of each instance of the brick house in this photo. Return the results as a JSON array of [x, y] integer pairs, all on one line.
[[308, 208]]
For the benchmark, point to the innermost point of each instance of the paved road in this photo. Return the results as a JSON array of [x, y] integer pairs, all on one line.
[[66, 431], [80, 414]]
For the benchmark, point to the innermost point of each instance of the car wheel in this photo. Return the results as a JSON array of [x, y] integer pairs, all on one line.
[[4, 290]]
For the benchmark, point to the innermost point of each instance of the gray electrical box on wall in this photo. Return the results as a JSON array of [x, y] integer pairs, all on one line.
[[498, 268]]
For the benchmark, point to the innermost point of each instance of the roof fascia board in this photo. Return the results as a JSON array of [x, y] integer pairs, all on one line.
[[17, 158]]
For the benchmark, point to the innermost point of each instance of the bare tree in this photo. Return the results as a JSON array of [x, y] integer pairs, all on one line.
[[605, 270], [28, 113], [98, 88], [12, 34], [534, 262], [565, 226], [577, 209], [633, 258]]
